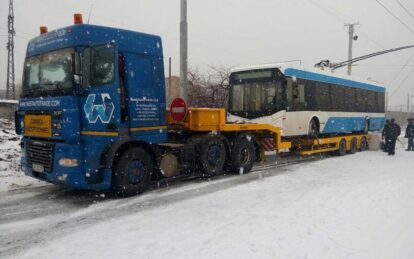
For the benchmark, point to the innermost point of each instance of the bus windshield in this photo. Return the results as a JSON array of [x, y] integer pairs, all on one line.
[[256, 94], [256, 97], [48, 74]]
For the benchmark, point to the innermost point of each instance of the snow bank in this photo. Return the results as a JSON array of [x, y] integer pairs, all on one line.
[[11, 177], [357, 206]]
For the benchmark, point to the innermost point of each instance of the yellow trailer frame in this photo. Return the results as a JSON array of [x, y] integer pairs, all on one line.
[[214, 120]]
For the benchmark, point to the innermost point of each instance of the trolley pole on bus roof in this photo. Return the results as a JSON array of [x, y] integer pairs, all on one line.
[[351, 31], [183, 50]]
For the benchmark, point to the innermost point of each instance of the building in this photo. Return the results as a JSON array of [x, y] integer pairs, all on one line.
[[172, 91]]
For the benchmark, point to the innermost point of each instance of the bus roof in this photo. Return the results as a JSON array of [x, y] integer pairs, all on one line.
[[319, 75], [87, 35]]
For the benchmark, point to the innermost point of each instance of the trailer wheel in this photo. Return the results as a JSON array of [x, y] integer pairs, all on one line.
[[353, 146], [364, 144], [212, 155], [132, 172], [242, 156], [342, 148]]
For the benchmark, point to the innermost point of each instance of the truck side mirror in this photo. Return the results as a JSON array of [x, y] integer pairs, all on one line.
[[86, 67], [77, 68], [121, 67]]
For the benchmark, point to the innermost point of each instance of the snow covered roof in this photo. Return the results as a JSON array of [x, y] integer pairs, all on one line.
[[9, 101]]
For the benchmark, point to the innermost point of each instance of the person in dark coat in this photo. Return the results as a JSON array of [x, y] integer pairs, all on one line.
[[409, 133], [385, 141], [391, 133]]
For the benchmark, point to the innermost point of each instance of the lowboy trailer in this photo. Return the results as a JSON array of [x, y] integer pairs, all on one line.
[[93, 116]]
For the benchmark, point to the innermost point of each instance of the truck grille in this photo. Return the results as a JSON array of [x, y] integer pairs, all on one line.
[[40, 153]]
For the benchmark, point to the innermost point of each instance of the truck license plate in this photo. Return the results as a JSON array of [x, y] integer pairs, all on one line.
[[38, 125], [38, 168]]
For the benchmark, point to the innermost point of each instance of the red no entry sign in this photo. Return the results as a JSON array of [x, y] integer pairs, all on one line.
[[178, 109]]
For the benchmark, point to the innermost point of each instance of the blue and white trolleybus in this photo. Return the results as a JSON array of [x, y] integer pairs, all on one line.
[[305, 101]]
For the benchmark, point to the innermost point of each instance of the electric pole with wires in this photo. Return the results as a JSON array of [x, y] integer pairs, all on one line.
[[352, 37], [183, 50], [11, 85]]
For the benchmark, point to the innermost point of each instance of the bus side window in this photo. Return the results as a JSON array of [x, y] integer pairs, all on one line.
[[299, 97]]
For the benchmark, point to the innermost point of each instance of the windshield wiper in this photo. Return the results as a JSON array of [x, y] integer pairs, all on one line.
[[58, 87], [36, 87]]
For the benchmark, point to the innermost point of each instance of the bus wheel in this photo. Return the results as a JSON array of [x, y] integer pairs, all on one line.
[[212, 155], [353, 146], [366, 126], [242, 156], [313, 130], [364, 144], [342, 148], [132, 172]]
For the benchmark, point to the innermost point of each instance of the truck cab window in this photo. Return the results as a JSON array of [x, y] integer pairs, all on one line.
[[102, 64]]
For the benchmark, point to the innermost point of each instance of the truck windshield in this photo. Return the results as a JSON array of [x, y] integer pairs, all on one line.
[[255, 94], [48, 74]]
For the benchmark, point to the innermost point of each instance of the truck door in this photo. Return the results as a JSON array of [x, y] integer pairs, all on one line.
[[101, 101], [146, 94]]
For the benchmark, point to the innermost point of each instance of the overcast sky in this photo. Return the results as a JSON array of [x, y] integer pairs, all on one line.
[[240, 32]]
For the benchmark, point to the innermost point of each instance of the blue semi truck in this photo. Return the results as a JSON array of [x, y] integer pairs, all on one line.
[[92, 115]]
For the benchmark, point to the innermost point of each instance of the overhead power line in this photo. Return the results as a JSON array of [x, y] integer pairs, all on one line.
[[336, 14], [401, 70], [396, 17], [405, 8], [351, 61], [401, 84]]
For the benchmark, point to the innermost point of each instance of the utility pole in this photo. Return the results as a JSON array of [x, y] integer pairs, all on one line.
[[169, 81], [351, 31], [408, 103], [11, 87], [183, 50]]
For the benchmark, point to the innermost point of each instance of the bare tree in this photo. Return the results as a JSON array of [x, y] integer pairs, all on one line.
[[210, 89]]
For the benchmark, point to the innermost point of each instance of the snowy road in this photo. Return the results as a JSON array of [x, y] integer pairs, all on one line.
[[357, 206], [29, 215]]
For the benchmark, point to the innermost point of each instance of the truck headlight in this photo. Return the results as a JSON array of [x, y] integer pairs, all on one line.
[[68, 162]]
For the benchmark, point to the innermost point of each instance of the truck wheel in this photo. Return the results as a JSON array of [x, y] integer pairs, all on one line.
[[242, 156], [353, 146], [212, 155], [132, 172], [364, 144], [342, 148]]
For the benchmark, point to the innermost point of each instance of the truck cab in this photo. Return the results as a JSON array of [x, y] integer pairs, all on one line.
[[88, 91]]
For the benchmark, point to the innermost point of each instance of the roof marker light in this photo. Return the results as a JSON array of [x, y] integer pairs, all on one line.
[[43, 29], [77, 18]]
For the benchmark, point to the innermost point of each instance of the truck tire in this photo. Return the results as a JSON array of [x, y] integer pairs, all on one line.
[[212, 155], [342, 148], [132, 172], [354, 146], [242, 156], [364, 144]]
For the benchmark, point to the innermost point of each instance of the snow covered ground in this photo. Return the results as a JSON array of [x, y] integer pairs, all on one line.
[[10, 175], [357, 206]]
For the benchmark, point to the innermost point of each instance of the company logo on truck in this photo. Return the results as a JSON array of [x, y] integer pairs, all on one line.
[[102, 111]]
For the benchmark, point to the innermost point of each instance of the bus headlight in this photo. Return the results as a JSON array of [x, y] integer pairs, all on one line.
[[67, 162]]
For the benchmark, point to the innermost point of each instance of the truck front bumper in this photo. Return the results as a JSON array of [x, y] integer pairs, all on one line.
[[46, 156]]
